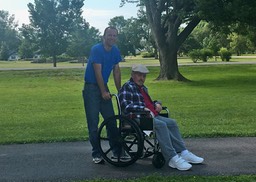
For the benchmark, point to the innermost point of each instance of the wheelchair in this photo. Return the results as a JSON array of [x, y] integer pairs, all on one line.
[[134, 138]]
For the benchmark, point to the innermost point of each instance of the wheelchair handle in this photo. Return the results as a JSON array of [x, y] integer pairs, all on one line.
[[118, 103]]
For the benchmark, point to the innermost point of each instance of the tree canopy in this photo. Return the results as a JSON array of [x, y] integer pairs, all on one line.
[[9, 40], [54, 20], [172, 21]]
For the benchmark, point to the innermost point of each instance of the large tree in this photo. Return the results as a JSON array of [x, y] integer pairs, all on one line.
[[54, 21], [28, 46], [81, 41], [9, 40], [130, 34], [166, 17]]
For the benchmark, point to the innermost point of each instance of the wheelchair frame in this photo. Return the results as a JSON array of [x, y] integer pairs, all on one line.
[[130, 139]]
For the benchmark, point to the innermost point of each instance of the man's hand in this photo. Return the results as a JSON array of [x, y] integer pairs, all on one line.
[[151, 113], [106, 95], [158, 107]]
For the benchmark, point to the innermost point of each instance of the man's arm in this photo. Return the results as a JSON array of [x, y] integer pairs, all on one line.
[[97, 69], [117, 76]]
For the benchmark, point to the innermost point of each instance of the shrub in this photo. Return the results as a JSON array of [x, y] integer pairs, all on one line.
[[200, 54], [225, 54], [205, 54], [148, 55], [194, 55]]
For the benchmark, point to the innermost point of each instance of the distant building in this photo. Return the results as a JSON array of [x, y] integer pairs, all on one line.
[[36, 56], [14, 57]]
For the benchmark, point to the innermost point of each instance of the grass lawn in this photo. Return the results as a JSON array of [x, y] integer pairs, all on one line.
[[46, 105]]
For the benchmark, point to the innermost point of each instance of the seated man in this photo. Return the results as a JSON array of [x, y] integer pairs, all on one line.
[[134, 97]]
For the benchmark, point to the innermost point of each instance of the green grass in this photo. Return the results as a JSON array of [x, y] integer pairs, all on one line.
[[47, 106], [41, 106]]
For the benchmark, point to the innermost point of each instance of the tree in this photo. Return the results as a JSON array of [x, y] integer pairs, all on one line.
[[123, 43], [204, 36], [251, 35], [28, 42], [9, 38], [166, 17], [133, 33], [238, 43], [54, 20], [81, 41], [243, 38], [129, 34], [148, 42]]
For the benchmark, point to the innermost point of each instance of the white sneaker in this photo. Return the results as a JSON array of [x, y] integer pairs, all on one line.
[[179, 163], [98, 160], [192, 158]]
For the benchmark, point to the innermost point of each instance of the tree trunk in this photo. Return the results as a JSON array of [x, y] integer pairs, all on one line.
[[169, 69], [54, 61]]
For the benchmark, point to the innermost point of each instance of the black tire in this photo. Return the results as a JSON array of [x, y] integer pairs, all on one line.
[[158, 160], [127, 139]]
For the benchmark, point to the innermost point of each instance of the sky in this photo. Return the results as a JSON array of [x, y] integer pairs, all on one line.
[[97, 12]]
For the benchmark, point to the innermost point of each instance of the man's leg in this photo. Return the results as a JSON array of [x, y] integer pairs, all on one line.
[[178, 142], [163, 137], [176, 139], [92, 97], [167, 147], [107, 111]]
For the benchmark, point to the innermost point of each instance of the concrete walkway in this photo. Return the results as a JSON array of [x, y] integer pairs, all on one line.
[[72, 161]]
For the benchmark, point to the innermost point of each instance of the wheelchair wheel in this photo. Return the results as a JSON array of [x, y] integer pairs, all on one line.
[[120, 141], [158, 160]]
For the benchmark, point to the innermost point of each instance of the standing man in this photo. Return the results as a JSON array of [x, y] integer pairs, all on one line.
[[104, 58]]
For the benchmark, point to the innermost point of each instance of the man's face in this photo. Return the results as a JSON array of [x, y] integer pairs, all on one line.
[[139, 78], [110, 37]]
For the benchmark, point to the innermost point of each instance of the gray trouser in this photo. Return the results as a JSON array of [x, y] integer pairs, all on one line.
[[168, 136]]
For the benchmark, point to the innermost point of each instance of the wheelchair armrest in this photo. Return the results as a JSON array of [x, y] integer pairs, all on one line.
[[165, 113]]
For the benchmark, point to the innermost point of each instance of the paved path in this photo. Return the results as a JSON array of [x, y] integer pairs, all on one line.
[[72, 161]]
